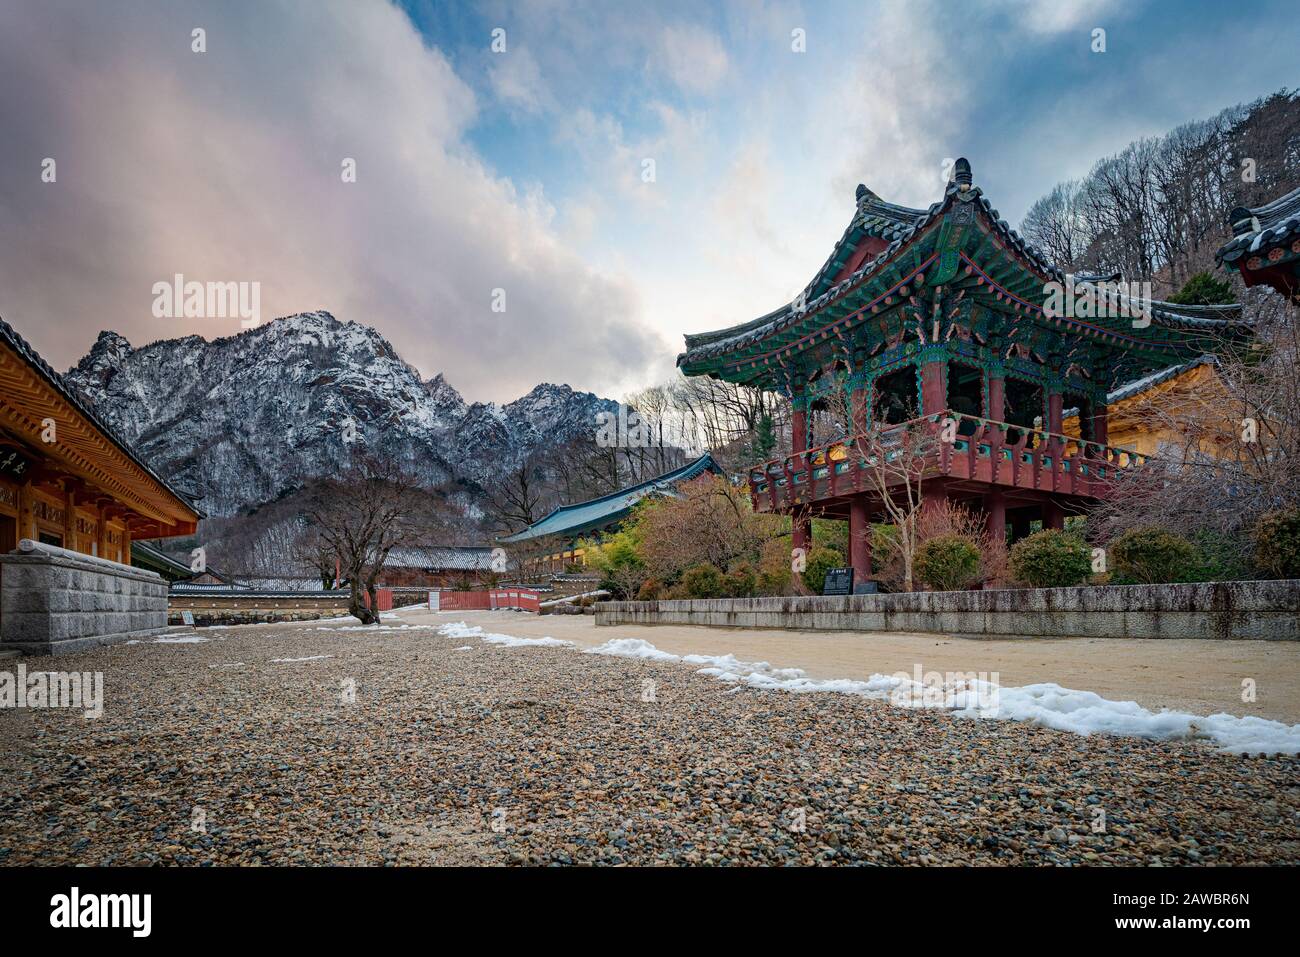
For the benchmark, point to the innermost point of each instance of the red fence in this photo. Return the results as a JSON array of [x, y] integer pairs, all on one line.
[[384, 598], [522, 599]]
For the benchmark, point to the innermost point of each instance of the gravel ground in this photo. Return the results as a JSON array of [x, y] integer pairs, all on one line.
[[542, 755]]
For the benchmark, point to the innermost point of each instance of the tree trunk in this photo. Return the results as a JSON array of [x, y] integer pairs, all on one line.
[[357, 606]]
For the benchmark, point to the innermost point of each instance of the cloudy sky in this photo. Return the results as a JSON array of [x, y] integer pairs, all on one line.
[[525, 169]]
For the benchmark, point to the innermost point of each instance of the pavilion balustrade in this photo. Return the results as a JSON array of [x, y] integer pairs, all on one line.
[[981, 450]]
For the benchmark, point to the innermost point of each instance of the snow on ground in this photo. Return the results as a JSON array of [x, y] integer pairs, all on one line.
[[970, 696], [179, 640], [373, 628], [286, 661], [458, 629]]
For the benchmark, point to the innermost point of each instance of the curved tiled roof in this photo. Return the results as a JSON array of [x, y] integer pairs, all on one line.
[[1138, 386], [464, 558], [29, 355], [900, 225], [1262, 228], [587, 516], [1149, 381]]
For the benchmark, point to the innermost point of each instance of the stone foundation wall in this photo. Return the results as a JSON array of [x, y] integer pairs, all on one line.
[[57, 601], [1267, 610], [254, 609]]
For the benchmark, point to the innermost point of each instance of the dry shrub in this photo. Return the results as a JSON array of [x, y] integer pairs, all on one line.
[[946, 519]]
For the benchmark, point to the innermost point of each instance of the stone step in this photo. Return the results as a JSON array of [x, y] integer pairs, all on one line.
[[7, 653]]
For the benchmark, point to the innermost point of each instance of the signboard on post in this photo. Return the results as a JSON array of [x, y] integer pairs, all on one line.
[[187, 617], [839, 581], [435, 601]]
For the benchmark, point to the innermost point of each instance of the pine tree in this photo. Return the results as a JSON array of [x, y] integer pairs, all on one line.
[[1204, 290]]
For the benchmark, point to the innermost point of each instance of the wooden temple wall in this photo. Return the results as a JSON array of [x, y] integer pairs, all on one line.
[[29, 512]]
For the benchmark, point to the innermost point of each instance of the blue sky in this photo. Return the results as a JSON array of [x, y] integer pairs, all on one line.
[[522, 170]]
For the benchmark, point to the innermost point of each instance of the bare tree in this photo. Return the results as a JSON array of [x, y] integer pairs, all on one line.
[[1229, 443], [709, 521], [517, 500], [1055, 224], [898, 459], [360, 517], [1157, 210]]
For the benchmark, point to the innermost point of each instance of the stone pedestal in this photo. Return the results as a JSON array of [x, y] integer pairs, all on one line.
[[56, 601]]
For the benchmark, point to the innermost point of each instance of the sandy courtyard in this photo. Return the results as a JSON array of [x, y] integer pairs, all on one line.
[[1201, 677]]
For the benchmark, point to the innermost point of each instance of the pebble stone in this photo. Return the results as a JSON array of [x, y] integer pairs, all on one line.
[[213, 754]]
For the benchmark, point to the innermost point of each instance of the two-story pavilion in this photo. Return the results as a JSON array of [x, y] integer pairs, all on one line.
[[943, 321]]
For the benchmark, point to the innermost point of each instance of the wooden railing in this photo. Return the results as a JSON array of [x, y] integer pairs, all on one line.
[[944, 444]]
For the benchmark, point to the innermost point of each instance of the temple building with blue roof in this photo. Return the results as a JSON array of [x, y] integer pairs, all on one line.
[[568, 523]]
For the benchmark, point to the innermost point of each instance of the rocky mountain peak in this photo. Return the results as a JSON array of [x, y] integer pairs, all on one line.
[[242, 418]]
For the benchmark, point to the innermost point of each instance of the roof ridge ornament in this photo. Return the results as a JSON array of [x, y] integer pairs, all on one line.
[[961, 174]]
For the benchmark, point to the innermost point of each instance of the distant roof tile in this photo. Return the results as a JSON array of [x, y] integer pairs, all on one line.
[[581, 517]]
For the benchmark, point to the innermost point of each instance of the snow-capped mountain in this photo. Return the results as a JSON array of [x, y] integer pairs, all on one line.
[[242, 419]]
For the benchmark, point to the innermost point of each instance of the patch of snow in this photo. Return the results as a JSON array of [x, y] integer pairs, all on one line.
[[1047, 704], [718, 664], [286, 661], [572, 598], [464, 648], [373, 628], [1084, 712], [632, 648], [458, 629], [179, 640]]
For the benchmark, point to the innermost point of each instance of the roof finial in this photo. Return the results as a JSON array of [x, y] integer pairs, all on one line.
[[1242, 221], [961, 174]]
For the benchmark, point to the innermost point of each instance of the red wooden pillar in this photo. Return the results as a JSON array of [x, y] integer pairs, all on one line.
[[997, 409], [934, 388], [801, 531], [995, 512], [1100, 425], [933, 495], [858, 410], [1053, 516], [798, 427], [859, 539], [1054, 409]]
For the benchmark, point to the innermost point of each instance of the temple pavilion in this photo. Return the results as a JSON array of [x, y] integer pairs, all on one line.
[[942, 331]]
